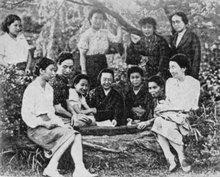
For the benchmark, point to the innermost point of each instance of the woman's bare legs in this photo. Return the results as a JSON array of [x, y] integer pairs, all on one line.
[[164, 143], [51, 169]]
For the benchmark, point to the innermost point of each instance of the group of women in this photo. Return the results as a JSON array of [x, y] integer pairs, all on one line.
[[171, 102]]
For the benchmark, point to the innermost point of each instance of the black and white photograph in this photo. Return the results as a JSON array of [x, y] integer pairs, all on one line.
[[109, 88]]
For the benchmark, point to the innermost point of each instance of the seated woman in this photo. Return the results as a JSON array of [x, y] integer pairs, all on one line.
[[45, 128], [138, 101], [170, 124], [156, 87], [107, 100], [78, 101]]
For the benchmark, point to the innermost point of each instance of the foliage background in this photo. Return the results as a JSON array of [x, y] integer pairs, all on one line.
[[52, 26]]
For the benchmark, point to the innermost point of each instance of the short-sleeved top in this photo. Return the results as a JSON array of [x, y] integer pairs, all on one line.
[[76, 99], [14, 50], [183, 95], [61, 88], [37, 101], [96, 42]]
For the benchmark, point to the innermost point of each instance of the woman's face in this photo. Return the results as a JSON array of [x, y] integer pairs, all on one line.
[[82, 86], [106, 80], [178, 23], [147, 29], [48, 73], [66, 68], [97, 21], [15, 27], [176, 71], [154, 89], [136, 79]]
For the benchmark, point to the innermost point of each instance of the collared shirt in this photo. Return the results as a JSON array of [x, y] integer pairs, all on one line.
[[96, 42], [179, 37], [38, 101], [14, 50]]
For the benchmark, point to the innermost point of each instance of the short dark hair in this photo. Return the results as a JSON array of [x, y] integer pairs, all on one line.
[[158, 80], [79, 77], [148, 20], [182, 60], [64, 56], [182, 15], [96, 10], [8, 21], [43, 63], [135, 69], [105, 70]]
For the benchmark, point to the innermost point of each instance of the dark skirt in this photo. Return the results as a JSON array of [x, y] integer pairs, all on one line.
[[94, 64], [50, 139]]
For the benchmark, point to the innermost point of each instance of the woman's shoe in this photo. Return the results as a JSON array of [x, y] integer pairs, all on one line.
[[172, 165], [84, 173], [51, 173], [185, 166]]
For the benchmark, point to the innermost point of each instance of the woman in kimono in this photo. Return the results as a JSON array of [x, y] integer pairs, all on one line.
[[138, 100], [153, 46], [108, 102], [45, 128], [170, 124], [94, 44], [186, 42], [156, 87]]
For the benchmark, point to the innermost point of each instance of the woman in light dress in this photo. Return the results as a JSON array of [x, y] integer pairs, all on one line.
[[170, 125]]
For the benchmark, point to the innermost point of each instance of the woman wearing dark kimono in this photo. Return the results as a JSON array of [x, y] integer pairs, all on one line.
[[94, 44], [45, 128], [108, 101], [156, 87], [186, 42], [138, 101], [152, 45]]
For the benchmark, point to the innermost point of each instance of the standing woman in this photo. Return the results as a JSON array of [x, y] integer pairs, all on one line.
[[45, 128], [170, 124], [14, 48], [152, 45], [94, 44], [186, 42]]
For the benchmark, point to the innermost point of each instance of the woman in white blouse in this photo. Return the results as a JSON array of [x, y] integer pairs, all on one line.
[[14, 49], [94, 44], [170, 125], [45, 128]]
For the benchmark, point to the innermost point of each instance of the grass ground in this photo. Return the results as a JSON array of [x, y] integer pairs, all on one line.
[[213, 171]]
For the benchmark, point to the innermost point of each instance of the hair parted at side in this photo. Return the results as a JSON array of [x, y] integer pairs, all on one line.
[[135, 69], [43, 63], [182, 60], [64, 56], [8, 21], [79, 77], [158, 80], [182, 15]]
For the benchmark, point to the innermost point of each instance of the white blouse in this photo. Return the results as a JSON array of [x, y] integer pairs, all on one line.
[[96, 42], [37, 101], [14, 50], [75, 99], [183, 95]]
